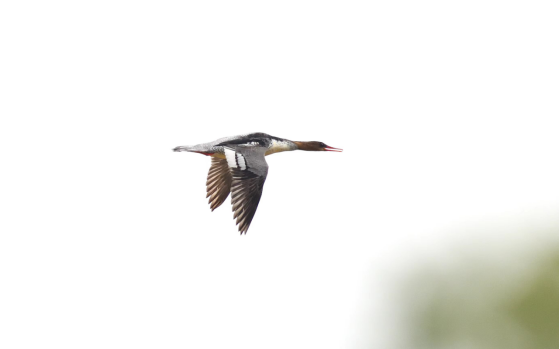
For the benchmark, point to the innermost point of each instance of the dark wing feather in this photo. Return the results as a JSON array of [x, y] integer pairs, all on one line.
[[219, 183], [248, 176], [246, 192]]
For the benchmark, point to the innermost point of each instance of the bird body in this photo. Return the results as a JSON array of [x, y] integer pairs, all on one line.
[[216, 148], [239, 166]]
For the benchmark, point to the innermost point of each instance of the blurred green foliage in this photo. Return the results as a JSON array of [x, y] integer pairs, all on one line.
[[536, 309], [481, 304]]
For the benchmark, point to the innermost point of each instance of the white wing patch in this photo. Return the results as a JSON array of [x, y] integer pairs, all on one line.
[[241, 161], [230, 157], [249, 144], [235, 160]]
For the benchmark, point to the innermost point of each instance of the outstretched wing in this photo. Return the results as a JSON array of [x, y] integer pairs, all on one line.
[[218, 184], [248, 170]]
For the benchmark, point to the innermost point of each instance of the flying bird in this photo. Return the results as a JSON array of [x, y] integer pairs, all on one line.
[[238, 166]]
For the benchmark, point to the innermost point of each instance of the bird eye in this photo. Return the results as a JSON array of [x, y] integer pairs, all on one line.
[[322, 144]]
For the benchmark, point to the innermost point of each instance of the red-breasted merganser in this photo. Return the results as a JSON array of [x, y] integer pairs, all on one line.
[[238, 165]]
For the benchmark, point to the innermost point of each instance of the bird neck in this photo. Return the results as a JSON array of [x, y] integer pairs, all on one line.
[[305, 146], [280, 146]]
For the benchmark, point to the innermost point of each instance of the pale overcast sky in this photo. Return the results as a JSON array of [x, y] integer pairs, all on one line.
[[445, 111]]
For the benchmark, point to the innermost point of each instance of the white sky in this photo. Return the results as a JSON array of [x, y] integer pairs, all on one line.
[[446, 112]]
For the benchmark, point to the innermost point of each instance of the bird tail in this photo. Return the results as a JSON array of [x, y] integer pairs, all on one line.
[[185, 148], [200, 148]]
